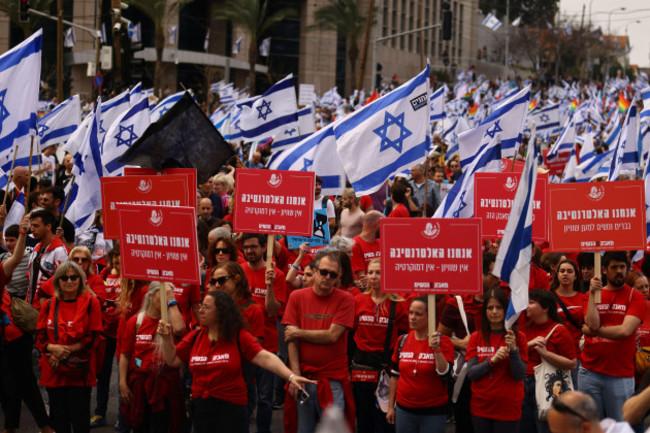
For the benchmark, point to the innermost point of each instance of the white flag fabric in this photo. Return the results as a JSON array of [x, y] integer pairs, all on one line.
[[60, 123], [569, 174], [386, 136], [491, 22], [236, 46], [164, 106], [206, 41], [69, 38], [136, 36], [546, 119], [306, 122], [172, 35], [437, 108], [265, 47], [17, 210], [626, 153], [126, 129], [516, 22], [645, 95], [565, 142]]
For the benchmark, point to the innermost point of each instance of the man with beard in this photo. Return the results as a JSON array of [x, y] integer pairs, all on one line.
[[607, 360], [366, 246], [352, 216]]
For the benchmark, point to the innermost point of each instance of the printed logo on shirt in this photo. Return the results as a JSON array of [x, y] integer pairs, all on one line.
[[223, 357], [318, 316], [406, 355], [371, 255], [425, 356], [369, 318], [259, 292], [198, 359], [70, 322], [616, 308], [144, 337]]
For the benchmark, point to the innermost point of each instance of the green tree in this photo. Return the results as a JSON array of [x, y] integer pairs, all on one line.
[[344, 17], [255, 19]]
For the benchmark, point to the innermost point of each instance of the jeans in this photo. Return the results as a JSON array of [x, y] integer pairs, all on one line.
[[309, 412], [407, 422], [530, 422], [70, 409], [104, 378], [264, 380], [609, 392]]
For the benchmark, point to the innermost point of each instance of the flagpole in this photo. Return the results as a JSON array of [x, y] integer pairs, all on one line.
[[67, 200], [270, 240], [431, 307], [163, 302], [29, 173], [11, 176], [597, 273]]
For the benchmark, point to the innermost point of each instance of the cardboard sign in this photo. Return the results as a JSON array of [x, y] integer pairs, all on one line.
[[431, 256], [306, 94], [597, 216], [321, 236], [494, 194], [170, 190], [274, 201], [556, 166], [190, 173], [159, 243], [506, 166]]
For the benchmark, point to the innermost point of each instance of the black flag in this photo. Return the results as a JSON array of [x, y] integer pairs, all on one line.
[[182, 138]]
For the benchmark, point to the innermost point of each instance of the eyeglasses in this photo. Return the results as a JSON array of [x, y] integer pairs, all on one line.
[[221, 251], [325, 272], [219, 280], [563, 408], [80, 259], [72, 278]]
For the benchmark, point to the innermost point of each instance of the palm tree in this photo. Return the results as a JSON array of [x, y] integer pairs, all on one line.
[[253, 17], [158, 11], [344, 17]]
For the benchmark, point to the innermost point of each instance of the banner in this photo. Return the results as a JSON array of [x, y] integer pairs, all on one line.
[[190, 173], [170, 190], [159, 243], [274, 201], [506, 166], [321, 236], [556, 166], [493, 197], [601, 216], [431, 256]]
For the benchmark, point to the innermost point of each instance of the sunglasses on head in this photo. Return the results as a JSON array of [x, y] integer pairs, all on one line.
[[80, 259], [220, 280], [72, 278], [325, 272], [221, 251], [563, 408]]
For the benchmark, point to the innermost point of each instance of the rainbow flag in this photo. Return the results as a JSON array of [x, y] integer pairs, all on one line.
[[532, 104], [623, 104], [473, 109], [574, 105]]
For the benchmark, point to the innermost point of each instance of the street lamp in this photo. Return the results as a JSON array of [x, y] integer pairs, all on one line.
[[631, 22], [609, 32]]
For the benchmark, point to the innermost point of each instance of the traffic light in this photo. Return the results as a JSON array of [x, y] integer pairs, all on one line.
[[23, 11], [446, 21]]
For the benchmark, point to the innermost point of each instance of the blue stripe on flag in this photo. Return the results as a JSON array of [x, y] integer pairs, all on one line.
[[12, 59], [270, 125], [59, 133]]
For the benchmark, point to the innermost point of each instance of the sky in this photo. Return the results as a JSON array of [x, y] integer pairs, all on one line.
[[620, 20]]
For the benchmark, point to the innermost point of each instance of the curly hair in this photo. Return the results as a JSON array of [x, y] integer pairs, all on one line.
[[229, 318], [236, 272], [551, 378]]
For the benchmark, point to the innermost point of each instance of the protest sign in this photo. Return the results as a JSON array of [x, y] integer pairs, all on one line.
[[556, 166], [159, 243], [306, 95], [170, 190], [274, 202], [190, 173], [431, 256], [507, 165], [494, 194], [321, 236], [602, 216]]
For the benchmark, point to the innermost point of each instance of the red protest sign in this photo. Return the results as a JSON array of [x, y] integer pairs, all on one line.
[[159, 243], [601, 216], [556, 166], [493, 197], [507, 165], [274, 201], [190, 173], [171, 190], [431, 256]]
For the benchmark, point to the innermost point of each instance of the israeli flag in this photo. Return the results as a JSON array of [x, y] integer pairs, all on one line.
[[386, 136], [545, 119], [626, 153], [306, 122], [318, 154], [111, 110], [164, 106], [59, 124], [591, 168], [172, 35], [136, 37], [265, 47], [644, 138], [232, 132], [226, 94], [569, 174], [126, 129], [236, 46], [206, 41], [515, 252], [69, 38], [331, 99], [135, 94], [218, 117], [103, 38], [645, 95], [612, 135], [646, 180], [17, 210], [459, 202], [507, 119], [587, 149], [565, 142], [437, 103], [491, 22], [20, 73], [457, 125], [76, 138], [273, 114]]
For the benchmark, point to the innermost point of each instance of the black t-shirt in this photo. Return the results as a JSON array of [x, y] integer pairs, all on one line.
[[68, 230]]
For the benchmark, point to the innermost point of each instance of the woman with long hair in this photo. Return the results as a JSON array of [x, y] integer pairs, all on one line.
[[638, 281], [496, 364], [418, 396], [151, 392], [548, 339], [94, 283], [215, 354], [566, 285]]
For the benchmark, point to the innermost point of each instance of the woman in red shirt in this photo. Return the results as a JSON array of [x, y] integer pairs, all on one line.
[[221, 251], [496, 364], [215, 354], [82, 257], [67, 328], [418, 385], [372, 346], [151, 392], [549, 339]]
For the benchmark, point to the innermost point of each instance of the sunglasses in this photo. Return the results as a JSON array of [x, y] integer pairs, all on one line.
[[221, 251], [563, 408], [72, 278], [325, 272], [219, 280], [80, 259]]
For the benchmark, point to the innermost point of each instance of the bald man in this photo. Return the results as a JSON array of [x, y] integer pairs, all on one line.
[[205, 212], [577, 412], [20, 178]]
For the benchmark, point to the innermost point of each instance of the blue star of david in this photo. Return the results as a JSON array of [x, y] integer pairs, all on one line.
[[42, 129], [382, 132], [264, 110], [4, 113], [101, 126], [495, 128], [461, 206], [236, 125], [290, 132], [544, 117], [307, 163], [129, 139]]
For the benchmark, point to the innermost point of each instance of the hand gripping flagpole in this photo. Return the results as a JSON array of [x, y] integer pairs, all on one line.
[[11, 176]]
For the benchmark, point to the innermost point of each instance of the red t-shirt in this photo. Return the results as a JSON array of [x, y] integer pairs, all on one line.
[[111, 314], [140, 346], [539, 278], [257, 283], [308, 311], [254, 318], [137, 299], [371, 322], [217, 367], [613, 357], [419, 385], [351, 290], [12, 332], [497, 395], [574, 305], [643, 337], [187, 295], [399, 211], [561, 343], [450, 316], [363, 252]]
